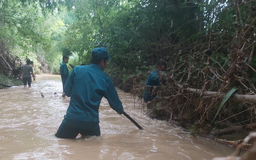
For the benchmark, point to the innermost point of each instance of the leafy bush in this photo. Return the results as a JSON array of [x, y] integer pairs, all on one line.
[[10, 80]]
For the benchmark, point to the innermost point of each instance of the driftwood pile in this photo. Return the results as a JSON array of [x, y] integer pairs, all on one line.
[[9, 64], [213, 85]]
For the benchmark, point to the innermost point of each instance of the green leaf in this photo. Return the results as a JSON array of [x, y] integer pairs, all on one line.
[[227, 96]]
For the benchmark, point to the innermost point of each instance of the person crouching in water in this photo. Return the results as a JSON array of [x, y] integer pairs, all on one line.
[[87, 85], [154, 80], [26, 71]]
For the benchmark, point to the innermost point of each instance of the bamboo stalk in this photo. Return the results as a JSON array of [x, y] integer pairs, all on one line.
[[237, 97], [232, 129]]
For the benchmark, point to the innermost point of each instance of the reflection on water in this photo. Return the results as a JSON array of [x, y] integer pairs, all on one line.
[[28, 123]]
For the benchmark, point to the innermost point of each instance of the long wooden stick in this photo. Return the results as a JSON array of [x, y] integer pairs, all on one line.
[[237, 97], [5, 85], [133, 121]]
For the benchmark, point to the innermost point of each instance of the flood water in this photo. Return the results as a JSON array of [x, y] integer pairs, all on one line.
[[29, 121]]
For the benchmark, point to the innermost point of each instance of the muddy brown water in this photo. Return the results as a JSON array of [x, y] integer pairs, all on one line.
[[28, 123]]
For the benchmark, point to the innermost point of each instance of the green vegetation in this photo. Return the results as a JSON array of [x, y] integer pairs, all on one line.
[[9, 81], [137, 33], [34, 30]]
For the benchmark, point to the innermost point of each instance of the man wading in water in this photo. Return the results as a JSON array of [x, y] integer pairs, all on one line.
[[26, 70], [154, 80], [64, 72], [86, 85]]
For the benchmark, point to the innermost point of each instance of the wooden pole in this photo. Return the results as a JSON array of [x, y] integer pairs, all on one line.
[[133, 121], [237, 97]]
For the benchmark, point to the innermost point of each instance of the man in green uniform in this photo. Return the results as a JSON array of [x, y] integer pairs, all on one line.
[[153, 80], [86, 85], [64, 71]]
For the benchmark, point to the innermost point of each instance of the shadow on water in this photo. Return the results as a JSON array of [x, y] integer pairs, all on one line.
[[29, 121]]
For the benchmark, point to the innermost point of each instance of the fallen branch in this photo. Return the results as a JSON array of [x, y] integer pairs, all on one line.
[[250, 67], [237, 97], [235, 115], [5, 85], [218, 64], [232, 129], [234, 143]]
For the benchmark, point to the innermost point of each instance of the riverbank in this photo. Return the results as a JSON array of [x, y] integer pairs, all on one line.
[[191, 111]]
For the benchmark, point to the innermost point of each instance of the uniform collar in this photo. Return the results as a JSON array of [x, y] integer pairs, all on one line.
[[96, 66]]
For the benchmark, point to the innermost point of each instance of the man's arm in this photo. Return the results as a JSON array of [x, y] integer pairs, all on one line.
[[153, 79], [34, 78], [69, 84], [66, 73], [61, 70], [64, 70], [20, 72], [113, 99]]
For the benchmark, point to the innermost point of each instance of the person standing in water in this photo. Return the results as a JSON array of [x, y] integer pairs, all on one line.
[[154, 80], [26, 71], [87, 85], [64, 72]]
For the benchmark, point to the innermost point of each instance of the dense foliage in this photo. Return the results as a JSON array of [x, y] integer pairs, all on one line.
[[133, 31], [34, 30], [138, 33]]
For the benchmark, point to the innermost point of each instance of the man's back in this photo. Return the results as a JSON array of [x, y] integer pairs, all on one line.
[[86, 86], [153, 78], [26, 70]]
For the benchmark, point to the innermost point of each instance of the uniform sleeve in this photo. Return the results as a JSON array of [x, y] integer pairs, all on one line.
[[113, 99], [69, 84], [64, 70], [66, 73], [61, 70], [153, 79]]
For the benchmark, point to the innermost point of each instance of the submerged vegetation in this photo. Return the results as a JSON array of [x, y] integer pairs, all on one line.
[[208, 46]]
